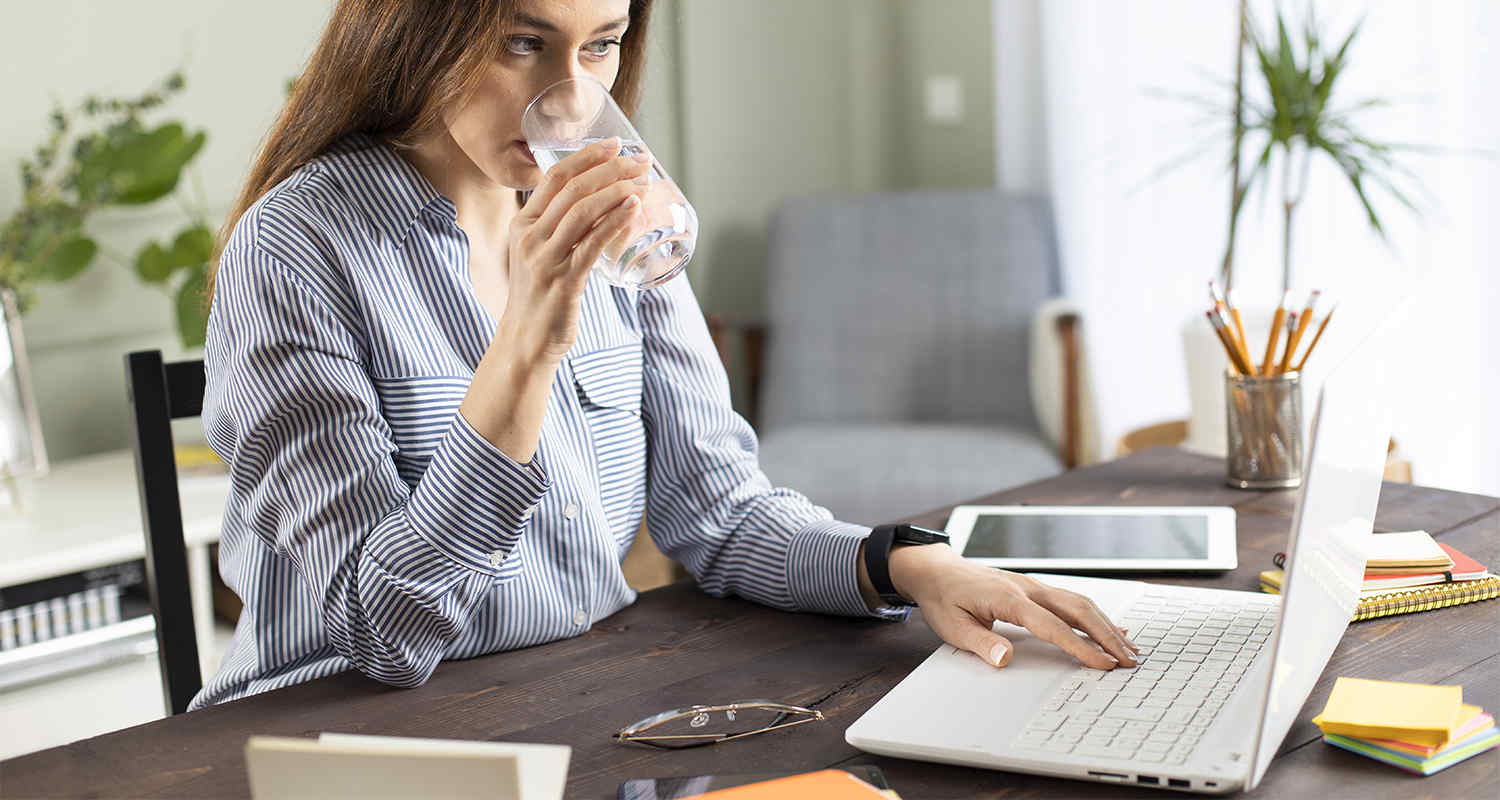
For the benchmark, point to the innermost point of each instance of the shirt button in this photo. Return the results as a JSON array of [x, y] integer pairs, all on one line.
[[571, 511], [579, 617], [496, 557]]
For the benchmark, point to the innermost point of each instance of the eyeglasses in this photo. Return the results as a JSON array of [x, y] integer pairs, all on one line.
[[696, 726]]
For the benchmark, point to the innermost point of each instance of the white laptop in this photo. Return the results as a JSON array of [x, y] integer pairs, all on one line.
[[1223, 673]]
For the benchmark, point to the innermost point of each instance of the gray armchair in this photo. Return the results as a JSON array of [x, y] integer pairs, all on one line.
[[897, 356]]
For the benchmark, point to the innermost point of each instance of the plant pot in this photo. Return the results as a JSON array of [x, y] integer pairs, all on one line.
[[1206, 361]]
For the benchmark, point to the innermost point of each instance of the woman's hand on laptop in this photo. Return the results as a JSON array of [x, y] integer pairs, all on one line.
[[961, 602]]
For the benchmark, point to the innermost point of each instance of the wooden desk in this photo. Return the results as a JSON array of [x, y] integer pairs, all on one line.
[[677, 646]]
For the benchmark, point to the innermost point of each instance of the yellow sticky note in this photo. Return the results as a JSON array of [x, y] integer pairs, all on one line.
[[1419, 713]]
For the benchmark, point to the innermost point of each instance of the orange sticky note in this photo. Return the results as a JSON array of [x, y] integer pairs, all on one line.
[[828, 784]]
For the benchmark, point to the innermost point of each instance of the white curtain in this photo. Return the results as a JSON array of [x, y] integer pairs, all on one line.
[[1082, 118]]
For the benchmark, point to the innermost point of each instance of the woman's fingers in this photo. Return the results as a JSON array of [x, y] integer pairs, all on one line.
[[1081, 613], [974, 635], [564, 171], [1046, 625], [621, 170], [586, 215], [615, 225]]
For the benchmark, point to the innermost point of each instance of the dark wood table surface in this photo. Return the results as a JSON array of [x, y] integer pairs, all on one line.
[[677, 646]]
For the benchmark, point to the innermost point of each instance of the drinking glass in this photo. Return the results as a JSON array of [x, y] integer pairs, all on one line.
[[572, 114]]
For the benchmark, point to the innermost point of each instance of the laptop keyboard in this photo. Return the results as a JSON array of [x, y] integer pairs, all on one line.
[[1193, 654]]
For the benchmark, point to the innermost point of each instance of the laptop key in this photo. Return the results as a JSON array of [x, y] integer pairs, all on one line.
[[1047, 721], [1097, 751], [1140, 714], [1179, 715]]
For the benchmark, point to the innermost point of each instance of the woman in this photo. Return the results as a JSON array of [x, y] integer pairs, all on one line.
[[441, 430]]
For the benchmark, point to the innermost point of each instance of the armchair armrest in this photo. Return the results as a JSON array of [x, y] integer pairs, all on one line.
[[752, 333], [1060, 394]]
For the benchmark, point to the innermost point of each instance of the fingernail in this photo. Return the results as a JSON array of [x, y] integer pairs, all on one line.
[[997, 653], [644, 158], [610, 145]]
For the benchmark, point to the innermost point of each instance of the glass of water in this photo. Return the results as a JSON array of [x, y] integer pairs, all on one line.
[[572, 114]]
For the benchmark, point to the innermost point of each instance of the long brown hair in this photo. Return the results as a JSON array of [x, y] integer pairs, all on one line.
[[388, 68]]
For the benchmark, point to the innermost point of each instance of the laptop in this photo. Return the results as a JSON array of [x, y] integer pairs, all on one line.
[[1223, 673]]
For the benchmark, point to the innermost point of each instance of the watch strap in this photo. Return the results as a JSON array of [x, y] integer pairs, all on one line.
[[878, 564]]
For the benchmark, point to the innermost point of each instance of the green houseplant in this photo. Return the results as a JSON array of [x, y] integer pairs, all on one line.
[[109, 158], [1298, 119]]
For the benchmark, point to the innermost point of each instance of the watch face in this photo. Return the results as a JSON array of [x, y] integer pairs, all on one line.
[[912, 533]]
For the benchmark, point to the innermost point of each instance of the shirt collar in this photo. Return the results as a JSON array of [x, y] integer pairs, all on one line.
[[386, 187]]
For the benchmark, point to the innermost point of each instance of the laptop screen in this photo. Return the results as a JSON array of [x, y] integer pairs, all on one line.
[[1330, 533]]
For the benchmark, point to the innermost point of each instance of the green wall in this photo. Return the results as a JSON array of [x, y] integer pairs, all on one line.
[[786, 97]]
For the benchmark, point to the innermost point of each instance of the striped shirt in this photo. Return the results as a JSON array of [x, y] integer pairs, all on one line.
[[369, 525]]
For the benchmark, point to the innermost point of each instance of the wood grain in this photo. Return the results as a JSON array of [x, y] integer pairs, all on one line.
[[677, 646]]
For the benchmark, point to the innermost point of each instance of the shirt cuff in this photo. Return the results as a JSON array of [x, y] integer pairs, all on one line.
[[473, 501], [822, 571]]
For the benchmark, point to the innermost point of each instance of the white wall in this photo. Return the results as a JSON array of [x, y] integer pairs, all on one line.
[[236, 56], [1139, 251]]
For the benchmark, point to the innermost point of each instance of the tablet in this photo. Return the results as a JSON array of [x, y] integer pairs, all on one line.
[[1096, 538]]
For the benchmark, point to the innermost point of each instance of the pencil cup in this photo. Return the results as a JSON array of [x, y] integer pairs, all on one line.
[[1265, 430]]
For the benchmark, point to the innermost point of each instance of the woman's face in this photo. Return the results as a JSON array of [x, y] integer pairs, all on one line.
[[553, 40]]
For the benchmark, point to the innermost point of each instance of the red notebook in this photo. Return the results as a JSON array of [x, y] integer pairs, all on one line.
[[1464, 569]]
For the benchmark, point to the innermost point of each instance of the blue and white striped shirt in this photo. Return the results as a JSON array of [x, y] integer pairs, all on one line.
[[370, 526]]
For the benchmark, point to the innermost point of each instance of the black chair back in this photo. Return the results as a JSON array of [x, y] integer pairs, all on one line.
[[159, 393]]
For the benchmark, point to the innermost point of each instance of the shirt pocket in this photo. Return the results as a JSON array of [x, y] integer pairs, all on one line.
[[419, 411], [608, 383], [610, 378]]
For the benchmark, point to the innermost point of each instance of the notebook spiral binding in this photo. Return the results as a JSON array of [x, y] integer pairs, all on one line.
[[1426, 598]]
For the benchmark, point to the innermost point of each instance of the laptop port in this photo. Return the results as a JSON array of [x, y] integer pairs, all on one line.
[[1149, 780], [1110, 776], [1179, 783]]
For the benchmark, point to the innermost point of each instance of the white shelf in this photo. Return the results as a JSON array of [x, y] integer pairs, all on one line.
[[87, 513]]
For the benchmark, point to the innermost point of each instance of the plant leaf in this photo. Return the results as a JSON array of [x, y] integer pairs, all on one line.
[[192, 309], [153, 263], [194, 245], [131, 166], [71, 256]]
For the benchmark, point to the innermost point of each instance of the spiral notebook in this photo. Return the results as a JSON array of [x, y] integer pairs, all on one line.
[[1386, 602]]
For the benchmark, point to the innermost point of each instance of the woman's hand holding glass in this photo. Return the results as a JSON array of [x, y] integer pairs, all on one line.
[[587, 205], [961, 601]]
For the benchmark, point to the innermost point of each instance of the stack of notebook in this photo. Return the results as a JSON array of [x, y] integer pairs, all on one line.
[[1408, 572], [1416, 727]]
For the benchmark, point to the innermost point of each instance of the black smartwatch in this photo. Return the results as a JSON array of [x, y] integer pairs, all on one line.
[[878, 556]]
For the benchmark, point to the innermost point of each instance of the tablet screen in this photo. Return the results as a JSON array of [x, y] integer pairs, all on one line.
[[1109, 536]]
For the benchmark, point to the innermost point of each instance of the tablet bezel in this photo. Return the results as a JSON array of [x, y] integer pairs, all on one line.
[[1222, 550]]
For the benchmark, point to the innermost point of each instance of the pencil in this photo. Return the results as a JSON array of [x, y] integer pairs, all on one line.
[[1221, 303], [1222, 321], [1295, 336], [1276, 322], [1239, 325], [1291, 341], [1224, 338], [1317, 336]]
